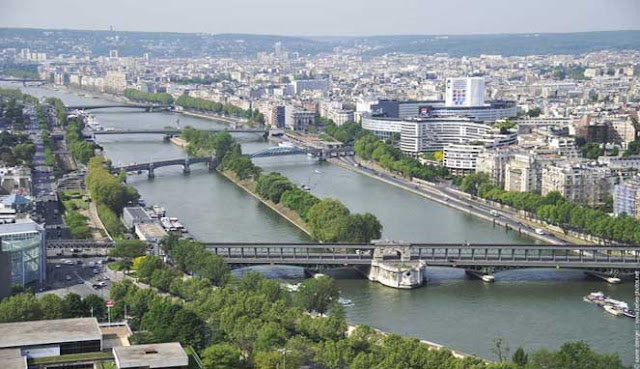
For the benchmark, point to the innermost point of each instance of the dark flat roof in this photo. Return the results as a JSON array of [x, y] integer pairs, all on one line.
[[43, 332]]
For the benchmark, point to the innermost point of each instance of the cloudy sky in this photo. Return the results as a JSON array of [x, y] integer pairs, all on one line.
[[326, 17]]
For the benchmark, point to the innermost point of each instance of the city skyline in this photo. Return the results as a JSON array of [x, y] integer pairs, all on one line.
[[289, 18]]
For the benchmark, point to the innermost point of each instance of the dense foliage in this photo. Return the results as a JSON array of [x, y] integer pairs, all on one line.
[[370, 148], [159, 98], [246, 324], [553, 208], [28, 71], [80, 150], [329, 220], [347, 133], [196, 103], [592, 150], [26, 307], [107, 189]]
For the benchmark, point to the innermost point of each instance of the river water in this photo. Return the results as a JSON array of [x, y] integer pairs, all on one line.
[[529, 308]]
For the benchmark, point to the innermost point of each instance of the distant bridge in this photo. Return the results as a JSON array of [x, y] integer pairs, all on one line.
[[478, 259], [150, 167], [167, 131], [23, 80], [130, 106]]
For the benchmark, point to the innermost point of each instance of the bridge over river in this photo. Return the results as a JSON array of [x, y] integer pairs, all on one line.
[[212, 161], [408, 261]]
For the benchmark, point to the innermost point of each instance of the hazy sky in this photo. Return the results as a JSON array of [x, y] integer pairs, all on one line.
[[326, 17]]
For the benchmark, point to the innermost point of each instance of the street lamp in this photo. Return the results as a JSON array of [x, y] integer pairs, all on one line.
[[283, 351]]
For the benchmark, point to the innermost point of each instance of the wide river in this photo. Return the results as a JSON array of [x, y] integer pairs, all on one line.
[[528, 308]]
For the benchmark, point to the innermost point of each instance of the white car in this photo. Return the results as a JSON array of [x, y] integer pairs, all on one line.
[[68, 262]]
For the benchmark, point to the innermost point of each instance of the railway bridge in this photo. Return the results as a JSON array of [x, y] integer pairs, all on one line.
[[479, 260]]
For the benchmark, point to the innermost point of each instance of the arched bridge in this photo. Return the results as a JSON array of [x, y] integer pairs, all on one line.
[[131, 106], [478, 259], [283, 151], [295, 150], [150, 167]]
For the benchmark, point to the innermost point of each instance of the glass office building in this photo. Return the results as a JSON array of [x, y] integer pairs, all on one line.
[[23, 244]]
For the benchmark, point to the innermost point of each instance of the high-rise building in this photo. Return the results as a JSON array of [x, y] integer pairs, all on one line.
[[113, 53], [521, 173], [24, 244], [467, 91]]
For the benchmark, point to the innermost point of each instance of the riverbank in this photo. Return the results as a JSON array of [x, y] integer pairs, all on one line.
[[284, 212], [431, 345], [210, 117], [443, 199]]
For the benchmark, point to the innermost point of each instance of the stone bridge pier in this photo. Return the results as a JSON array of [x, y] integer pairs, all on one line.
[[392, 266]]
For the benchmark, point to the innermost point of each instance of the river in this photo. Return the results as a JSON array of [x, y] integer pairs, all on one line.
[[529, 308]]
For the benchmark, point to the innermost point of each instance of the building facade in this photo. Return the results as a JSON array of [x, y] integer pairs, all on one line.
[[626, 198], [578, 183], [24, 243]]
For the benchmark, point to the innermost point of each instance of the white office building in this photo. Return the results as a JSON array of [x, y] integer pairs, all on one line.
[[466, 91]]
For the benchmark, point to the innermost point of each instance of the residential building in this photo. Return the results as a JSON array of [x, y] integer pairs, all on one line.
[[15, 180], [588, 185], [298, 119], [626, 198], [494, 162], [522, 173]]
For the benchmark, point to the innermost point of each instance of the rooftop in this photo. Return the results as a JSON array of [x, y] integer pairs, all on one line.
[[21, 226], [44, 332], [160, 355]]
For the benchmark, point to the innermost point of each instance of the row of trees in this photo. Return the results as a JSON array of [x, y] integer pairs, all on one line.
[[80, 150], [554, 209], [26, 307], [159, 98], [328, 219], [109, 194], [370, 148], [196, 103]]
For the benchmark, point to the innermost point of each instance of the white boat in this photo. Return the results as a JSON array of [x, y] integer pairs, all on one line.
[[285, 144], [316, 171], [305, 187], [291, 287], [613, 310], [595, 297], [345, 301]]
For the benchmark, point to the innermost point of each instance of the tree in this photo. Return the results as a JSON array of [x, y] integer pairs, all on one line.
[[500, 349], [125, 265], [19, 308], [520, 358], [325, 218], [73, 306], [51, 307], [221, 356], [95, 305], [317, 294], [128, 249]]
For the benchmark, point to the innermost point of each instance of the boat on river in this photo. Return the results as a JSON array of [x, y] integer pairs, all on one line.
[[613, 310]]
